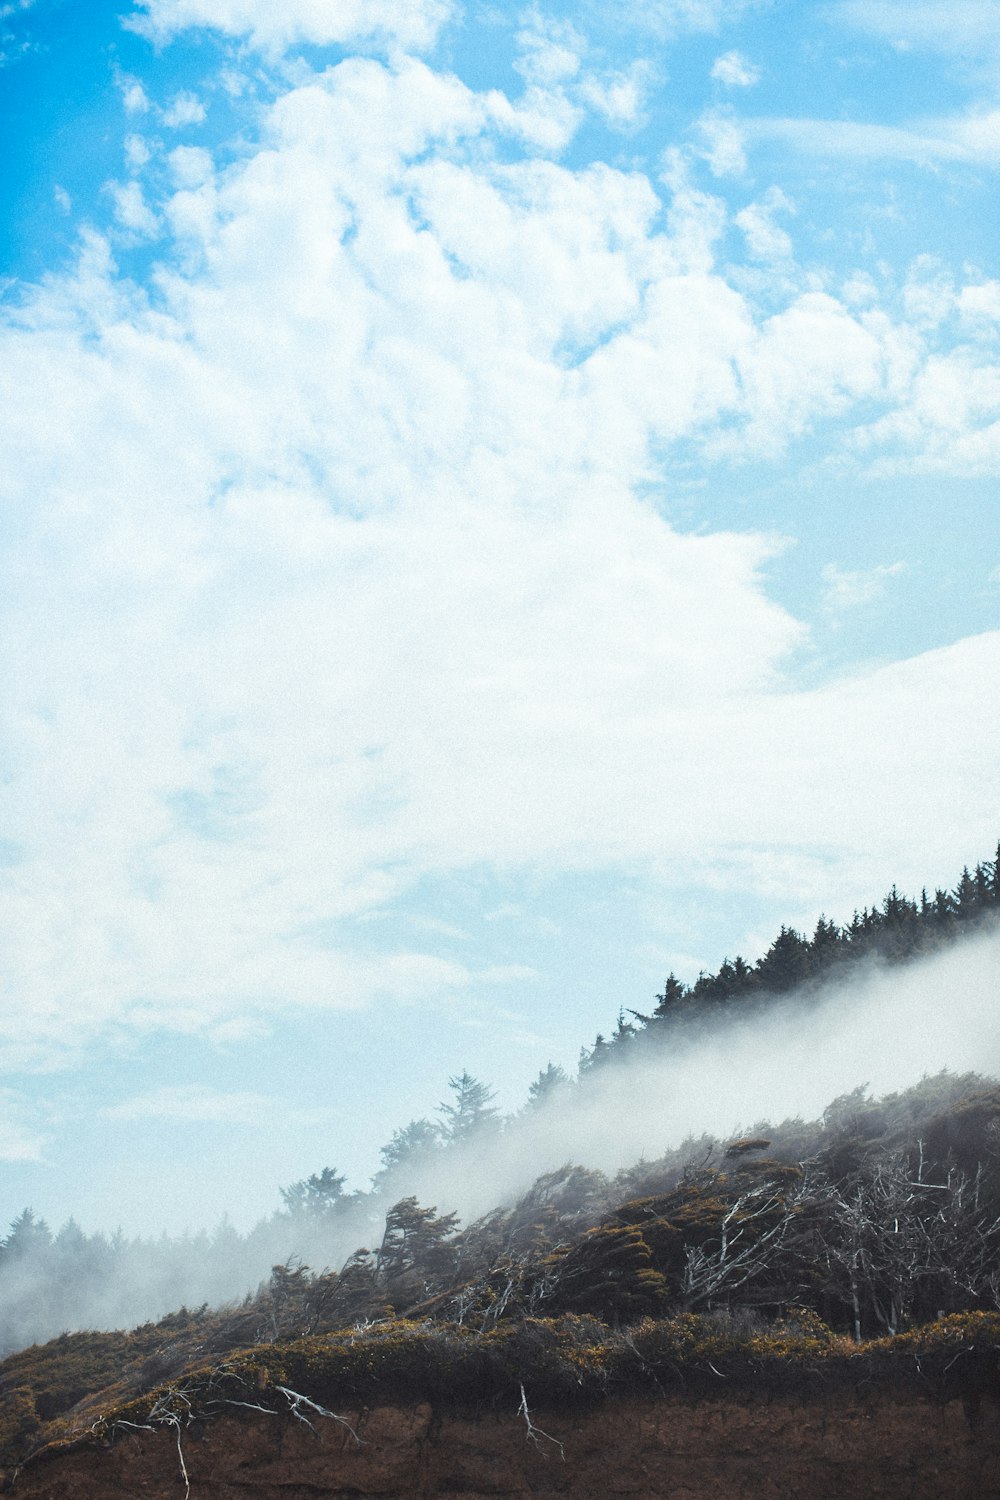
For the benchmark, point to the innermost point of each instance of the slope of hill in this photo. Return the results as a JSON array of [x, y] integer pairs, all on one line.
[[868, 1262], [803, 1289]]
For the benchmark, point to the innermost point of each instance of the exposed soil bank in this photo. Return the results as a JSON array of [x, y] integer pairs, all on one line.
[[876, 1448]]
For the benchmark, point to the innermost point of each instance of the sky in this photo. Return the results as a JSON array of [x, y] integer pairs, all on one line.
[[499, 504]]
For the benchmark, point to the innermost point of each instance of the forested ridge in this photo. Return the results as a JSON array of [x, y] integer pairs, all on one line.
[[895, 931], [53, 1281], [878, 1218]]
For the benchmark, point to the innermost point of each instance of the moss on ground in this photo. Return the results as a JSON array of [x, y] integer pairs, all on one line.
[[561, 1362]]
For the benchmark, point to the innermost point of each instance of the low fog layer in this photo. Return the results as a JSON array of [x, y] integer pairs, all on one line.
[[879, 1027], [882, 1027]]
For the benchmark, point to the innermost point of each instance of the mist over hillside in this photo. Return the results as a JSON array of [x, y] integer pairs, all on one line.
[[906, 991], [879, 1029]]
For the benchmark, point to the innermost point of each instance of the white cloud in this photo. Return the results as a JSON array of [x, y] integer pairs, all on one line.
[[620, 97], [190, 167], [973, 138], [549, 52], [766, 240], [134, 97], [735, 70], [131, 209], [411, 24], [137, 152], [196, 1103], [948, 422], [964, 28], [723, 141], [334, 571], [851, 588], [670, 18], [185, 109]]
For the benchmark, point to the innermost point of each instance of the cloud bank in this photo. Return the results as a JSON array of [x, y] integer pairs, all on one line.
[[343, 556], [884, 1029], [409, 24]]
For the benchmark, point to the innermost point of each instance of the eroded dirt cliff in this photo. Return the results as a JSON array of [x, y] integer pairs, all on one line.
[[822, 1448]]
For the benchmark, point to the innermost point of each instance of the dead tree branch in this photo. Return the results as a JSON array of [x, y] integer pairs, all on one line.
[[296, 1401], [534, 1433]]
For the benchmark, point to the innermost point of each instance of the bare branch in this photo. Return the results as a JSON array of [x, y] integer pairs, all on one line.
[[534, 1433], [296, 1401]]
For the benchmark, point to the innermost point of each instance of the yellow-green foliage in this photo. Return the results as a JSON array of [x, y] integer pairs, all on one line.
[[40, 1385], [960, 1332], [19, 1423], [559, 1361]]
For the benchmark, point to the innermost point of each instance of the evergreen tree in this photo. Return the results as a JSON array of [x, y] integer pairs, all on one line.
[[417, 1256], [786, 962], [624, 1035], [409, 1149], [597, 1057], [29, 1238], [671, 1002], [317, 1197], [966, 897], [551, 1083], [472, 1113]]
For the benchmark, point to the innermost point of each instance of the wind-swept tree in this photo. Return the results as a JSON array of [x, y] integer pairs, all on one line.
[[417, 1257]]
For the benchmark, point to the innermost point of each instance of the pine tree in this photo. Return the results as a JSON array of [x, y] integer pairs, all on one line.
[[317, 1197], [409, 1147], [417, 1256], [672, 1000], [551, 1082], [29, 1238], [472, 1113], [786, 962]]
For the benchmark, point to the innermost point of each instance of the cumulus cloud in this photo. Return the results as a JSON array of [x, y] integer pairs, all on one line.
[[336, 567], [619, 96], [850, 588], [137, 152], [766, 240], [724, 145], [549, 52], [131, 209], [185, 109], [134, 97], [949, 421], [735, 70], [411, 24]]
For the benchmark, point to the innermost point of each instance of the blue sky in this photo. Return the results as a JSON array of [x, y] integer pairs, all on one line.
[[499, 503]]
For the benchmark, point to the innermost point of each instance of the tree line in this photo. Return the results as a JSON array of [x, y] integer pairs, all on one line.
[[897, 930], [50, 1282]]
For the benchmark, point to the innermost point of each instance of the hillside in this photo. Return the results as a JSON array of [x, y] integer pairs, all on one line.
[[672, 1408], [470, 1158], [800, 1287], [865, 1271]]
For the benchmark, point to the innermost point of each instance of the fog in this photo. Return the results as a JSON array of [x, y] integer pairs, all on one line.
[[884, 1027], [880, 1027]]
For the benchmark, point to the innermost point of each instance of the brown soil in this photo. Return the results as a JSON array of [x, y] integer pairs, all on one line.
[[839, 1448]]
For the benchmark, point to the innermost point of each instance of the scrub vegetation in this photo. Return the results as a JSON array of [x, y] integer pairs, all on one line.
[[865, 1243]]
